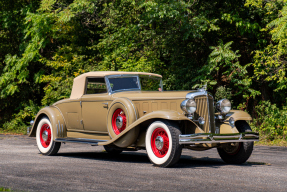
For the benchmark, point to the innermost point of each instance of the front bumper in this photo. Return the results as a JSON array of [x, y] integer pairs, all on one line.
[[201, 138]]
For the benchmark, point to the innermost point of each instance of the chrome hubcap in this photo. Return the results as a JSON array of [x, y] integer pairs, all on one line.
[[45, 135], [159, 142], [119, 122]]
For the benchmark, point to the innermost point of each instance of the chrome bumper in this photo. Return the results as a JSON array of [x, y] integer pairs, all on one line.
[[200, 138], [29, 130]]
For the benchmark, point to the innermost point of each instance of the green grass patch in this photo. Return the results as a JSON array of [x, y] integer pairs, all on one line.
[[13, 132], [4, 189], [275, 142]]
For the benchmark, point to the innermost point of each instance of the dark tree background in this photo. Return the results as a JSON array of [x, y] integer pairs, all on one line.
[[237, 48]]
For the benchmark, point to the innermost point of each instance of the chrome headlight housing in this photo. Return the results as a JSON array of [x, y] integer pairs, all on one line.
[[223, 106], [188, 106]]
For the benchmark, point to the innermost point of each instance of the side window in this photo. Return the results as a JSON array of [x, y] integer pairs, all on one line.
[[96, 85]]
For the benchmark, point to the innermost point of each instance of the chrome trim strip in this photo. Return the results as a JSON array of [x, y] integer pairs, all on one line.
[[207, 100], [108, 85], [59, 126], [218, 138], [188, 142], [213, 113], [80, 140], [29, 130], [61, 114], [193, 94], [85, 131]]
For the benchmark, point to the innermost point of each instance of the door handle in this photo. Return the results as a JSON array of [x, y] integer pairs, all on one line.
[[106, 105]]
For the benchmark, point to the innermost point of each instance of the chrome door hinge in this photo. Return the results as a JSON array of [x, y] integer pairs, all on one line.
[[81, 103], [81, 122]]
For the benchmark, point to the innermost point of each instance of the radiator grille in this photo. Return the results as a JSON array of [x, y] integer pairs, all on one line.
[[205, 109]]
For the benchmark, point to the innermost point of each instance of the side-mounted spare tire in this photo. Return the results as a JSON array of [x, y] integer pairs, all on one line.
[[121, 114], [237, 153], [44, 138]]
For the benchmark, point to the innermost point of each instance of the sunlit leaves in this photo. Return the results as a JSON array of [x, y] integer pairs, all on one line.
[[279, 26]]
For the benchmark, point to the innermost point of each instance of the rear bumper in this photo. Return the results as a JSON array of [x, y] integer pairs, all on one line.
[[201, 138]]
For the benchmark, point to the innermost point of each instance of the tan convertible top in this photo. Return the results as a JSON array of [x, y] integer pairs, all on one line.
[[79, 82]]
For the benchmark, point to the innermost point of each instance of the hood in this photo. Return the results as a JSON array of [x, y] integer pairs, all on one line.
[[150, 95]]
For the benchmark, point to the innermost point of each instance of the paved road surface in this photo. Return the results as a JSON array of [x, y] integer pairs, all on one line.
[[80, 167]]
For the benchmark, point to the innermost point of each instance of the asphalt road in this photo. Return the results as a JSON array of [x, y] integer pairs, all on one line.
[[80, 167]]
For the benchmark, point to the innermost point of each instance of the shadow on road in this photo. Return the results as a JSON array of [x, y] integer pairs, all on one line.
[[104, 156], [142, 158]]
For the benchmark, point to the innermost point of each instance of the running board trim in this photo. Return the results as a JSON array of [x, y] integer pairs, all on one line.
[[80, 140]]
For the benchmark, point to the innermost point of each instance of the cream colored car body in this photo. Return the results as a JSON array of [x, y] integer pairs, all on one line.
[[87, 118]]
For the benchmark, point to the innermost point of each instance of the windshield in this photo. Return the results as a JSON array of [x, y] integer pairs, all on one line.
[[124, 83], [141, 82], [150, 83]]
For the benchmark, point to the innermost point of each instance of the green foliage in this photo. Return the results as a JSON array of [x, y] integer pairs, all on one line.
[[4, 189], [271, 121], [21, 119], [223, 93], [45, 44]]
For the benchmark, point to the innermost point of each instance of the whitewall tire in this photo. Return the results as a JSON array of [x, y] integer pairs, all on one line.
[[162, 143], [44, 138]]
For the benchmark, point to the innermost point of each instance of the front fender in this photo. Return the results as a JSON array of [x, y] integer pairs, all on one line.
[[237, 115], [56, 119], [163, 114]]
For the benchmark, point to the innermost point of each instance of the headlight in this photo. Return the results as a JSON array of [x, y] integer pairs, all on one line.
[[223, 106], [188, 105]]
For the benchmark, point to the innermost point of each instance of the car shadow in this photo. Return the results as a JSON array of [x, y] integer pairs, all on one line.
[[104, 156], [193, 162], [142, 158]]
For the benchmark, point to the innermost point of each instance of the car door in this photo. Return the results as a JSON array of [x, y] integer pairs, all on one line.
[[71, 110], [95, 103]]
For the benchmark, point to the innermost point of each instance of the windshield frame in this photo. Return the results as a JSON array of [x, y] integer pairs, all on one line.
[[124, 76], [121, 76]]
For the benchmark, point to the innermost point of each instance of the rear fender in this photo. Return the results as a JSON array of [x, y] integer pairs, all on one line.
[[56, 119], [237, 115]]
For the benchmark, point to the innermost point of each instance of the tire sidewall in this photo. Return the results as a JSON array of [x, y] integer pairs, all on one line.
[[157, 160], [39, 144], [245, 148]]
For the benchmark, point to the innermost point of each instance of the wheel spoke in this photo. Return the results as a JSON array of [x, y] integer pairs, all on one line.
[[160, 149], [45, 135], [119, 121]]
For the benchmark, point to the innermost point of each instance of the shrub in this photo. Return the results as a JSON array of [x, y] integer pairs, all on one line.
[[271, 121], [20, 120], [223, 93]]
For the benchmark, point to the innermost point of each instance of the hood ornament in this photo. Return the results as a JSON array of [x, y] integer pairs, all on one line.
[[204, 88]]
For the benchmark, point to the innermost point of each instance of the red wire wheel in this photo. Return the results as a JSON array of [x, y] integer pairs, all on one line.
[[119, 121], [45, 135], [159, 142]]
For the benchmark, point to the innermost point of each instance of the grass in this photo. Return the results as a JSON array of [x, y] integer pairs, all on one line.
[[13, 132], [275, 142], [4, 189]]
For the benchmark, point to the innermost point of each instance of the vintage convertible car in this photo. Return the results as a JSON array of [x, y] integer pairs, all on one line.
[[130, 111]]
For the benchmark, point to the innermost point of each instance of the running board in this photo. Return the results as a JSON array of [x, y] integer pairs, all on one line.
[[79, 140]]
